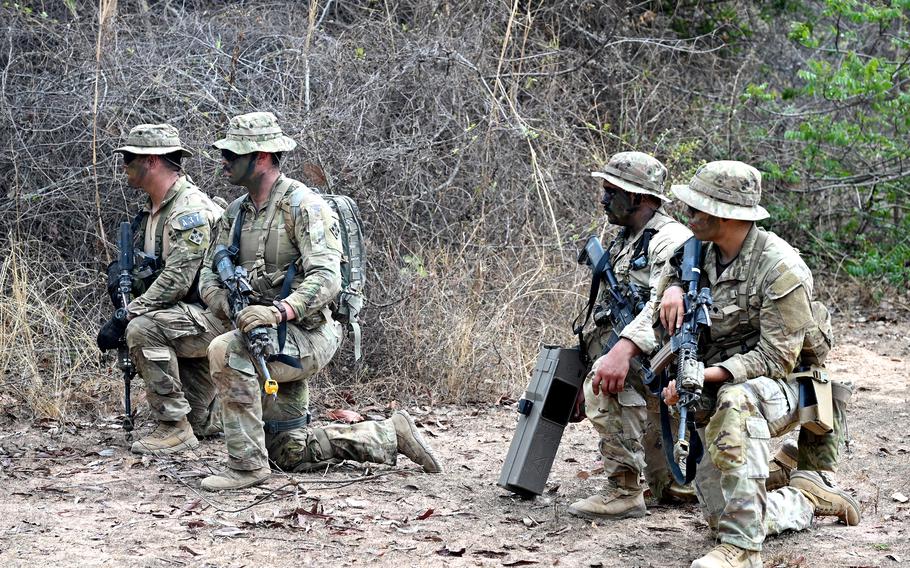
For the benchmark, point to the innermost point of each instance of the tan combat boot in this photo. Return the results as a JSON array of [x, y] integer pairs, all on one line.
[[829, 500], [676, 493], [729, 556], [412, 444], [624, 499], [235, 479], [167, 438], [780, 466], [212, 425]]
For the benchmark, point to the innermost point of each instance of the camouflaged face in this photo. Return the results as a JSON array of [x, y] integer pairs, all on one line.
[[726, 189], [255, 132], [635, 172], [153, 139]]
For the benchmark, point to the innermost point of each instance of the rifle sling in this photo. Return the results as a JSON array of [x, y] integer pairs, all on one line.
[[592, 299], [696, 449]]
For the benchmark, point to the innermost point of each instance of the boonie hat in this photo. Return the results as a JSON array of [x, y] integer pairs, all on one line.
[[636, 172], [727, 189], [154, 139], [255, 132]]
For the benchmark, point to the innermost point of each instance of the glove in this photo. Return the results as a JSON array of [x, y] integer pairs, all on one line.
[[252, 317], [218, 304], [113, 283], [110, 336]]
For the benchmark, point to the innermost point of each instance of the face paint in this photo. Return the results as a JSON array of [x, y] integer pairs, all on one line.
[[618, 205], [135, 168], [704, 226], [237, 167]]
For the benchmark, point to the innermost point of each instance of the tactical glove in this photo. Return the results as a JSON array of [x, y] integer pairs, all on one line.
[[113, 283], [252, 317], [110, 336]]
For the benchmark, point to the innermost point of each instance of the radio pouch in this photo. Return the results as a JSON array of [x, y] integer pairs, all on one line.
[[816, 403]]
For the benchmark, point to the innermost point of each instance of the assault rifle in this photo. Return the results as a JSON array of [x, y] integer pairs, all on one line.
[[258, 343], [125, 288], [690, 372], [111, 335], [623, 303]]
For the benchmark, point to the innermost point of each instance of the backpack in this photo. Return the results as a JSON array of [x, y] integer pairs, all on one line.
[[347, 306]]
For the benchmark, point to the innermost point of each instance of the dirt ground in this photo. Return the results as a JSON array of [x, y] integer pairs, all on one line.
[[73, 495]]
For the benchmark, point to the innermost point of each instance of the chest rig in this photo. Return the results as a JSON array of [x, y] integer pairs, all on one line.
[[745, 336]]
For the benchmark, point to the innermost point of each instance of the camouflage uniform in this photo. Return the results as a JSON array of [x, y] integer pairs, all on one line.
[[168, 333], [628, 422], [295, 226], [759, 321]]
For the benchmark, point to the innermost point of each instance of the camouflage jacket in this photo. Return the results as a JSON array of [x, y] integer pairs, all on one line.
[[178, 234], [669, 235], [295, 225], [761, 309]]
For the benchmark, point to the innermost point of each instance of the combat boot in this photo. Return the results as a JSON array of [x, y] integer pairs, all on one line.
[[167, 438], [235, 479], [624, 499], [828, 499], [212, 425], [412, 444], [676, 493], [781, 465], [727, 555]]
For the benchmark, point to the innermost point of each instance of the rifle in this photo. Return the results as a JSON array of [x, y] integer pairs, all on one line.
[[690, 372], [111, 334], [258, 343], [621, 310], [125, 288]]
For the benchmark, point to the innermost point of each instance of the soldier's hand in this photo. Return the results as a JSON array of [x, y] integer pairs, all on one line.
[[252, 317], [672, 309], [218, 304], [110, 336], [610, 370], [670, 394]]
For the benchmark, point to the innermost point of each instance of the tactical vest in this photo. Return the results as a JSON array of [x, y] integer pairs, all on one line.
[[816, 344], [148, 268]]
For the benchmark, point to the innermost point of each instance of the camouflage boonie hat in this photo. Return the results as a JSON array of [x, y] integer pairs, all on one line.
[[154, 139], [636, 172], [255, 132], [725, 189]]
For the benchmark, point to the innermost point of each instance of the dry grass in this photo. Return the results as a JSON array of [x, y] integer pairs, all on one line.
[[465, 132], [48, 357]]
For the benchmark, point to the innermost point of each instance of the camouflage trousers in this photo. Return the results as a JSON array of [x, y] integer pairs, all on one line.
[[247, 409], [168, 348], [628, 423], [730, 481]]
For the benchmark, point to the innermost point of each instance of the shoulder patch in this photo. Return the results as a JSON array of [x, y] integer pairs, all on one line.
[[785, 282], [190, 221]]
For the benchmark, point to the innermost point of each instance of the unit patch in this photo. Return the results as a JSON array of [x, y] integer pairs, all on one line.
[[190, 221], [196, 237]]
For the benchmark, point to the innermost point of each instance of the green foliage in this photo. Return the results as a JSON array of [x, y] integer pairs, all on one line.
[[848, 131]]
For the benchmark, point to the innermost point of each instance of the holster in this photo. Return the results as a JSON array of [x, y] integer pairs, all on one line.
[[816, 401]]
